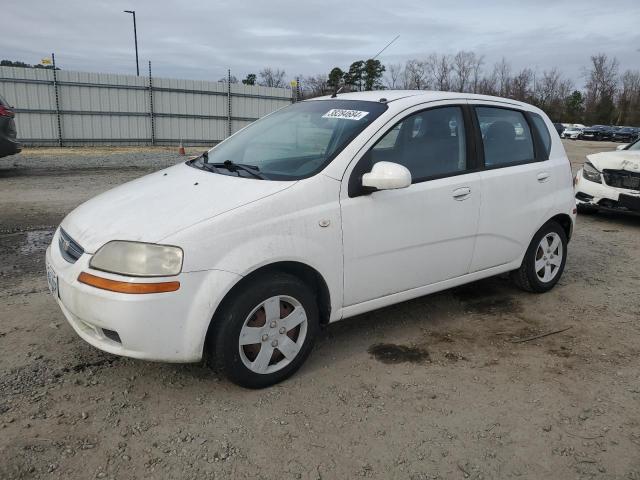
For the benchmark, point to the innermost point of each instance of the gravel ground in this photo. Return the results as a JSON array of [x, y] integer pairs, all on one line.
[[434, 388]]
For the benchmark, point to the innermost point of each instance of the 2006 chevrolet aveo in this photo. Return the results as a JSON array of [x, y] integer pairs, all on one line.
[[320, 211]]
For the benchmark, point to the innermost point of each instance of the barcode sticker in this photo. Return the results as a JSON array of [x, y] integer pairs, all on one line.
[[345, 114]]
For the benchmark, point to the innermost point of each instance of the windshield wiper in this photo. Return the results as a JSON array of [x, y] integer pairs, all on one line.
[[234, 167]]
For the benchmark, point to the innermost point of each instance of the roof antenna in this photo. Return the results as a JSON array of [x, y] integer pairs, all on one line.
[[335, 93]]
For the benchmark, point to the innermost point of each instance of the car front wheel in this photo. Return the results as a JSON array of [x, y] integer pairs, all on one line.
[[544, 260], [265, 331]]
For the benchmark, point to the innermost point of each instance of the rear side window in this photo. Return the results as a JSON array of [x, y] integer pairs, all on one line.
[[506, 137], [430, 143], [543, 131]]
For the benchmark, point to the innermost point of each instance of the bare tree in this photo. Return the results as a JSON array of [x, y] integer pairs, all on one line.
[[502, 72], [394, 75], [315, 86], [601, 88], [551, 91], [415, 75], [477, 72], [521, 85], [440, 68], [465, 71], [272, 78], [628, 101]]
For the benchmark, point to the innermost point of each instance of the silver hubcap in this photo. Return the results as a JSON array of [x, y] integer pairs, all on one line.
[[549, 256], [273, 334]]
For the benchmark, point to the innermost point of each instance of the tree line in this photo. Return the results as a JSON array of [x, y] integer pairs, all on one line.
[[609, 96]]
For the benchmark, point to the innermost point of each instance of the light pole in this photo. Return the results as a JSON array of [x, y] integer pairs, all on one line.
[[135, 38]]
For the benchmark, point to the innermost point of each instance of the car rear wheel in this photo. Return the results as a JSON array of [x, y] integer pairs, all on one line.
[[544, 260], [265, 331]]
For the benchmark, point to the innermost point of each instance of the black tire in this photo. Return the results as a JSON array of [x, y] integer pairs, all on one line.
[[225, 355], [526, 276], [586, 209]]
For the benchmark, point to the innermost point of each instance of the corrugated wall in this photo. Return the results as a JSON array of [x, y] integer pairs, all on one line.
[[109, 109]]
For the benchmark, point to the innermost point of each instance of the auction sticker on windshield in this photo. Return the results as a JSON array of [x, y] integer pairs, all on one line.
[[345, 114]]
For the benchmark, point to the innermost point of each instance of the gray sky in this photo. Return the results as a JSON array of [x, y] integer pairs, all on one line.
[[199, 39]]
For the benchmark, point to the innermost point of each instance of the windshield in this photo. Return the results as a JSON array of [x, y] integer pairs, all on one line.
[[634, 146], [295, 142]]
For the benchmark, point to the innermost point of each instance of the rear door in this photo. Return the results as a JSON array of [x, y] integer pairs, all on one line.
[[518, 184]]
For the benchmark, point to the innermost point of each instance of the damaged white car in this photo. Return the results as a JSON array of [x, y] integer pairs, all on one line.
[[610, 180]]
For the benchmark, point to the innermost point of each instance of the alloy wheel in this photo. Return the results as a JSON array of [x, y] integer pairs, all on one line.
[[273, 334], [549, 256]]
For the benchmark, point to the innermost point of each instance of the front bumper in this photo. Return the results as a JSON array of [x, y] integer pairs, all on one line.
[[600, 195], [168, 327]]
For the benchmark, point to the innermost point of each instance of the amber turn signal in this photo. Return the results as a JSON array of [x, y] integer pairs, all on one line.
[[127, 287]]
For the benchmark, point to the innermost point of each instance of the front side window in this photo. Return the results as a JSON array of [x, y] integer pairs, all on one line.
[[295, 142], [506, 136], [430, 144]]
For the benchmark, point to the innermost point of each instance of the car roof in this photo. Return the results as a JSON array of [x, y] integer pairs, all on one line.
[[420, 96]]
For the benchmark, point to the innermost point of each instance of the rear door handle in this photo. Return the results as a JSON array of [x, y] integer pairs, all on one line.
[[543, 176], [461, 193]]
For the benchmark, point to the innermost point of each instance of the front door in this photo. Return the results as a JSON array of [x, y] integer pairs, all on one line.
[[397, 240]]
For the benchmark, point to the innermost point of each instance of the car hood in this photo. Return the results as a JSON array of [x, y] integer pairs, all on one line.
[[619, 160], [154, 206]]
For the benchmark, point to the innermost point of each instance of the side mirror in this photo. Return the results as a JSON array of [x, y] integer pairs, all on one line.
[[387, 176]]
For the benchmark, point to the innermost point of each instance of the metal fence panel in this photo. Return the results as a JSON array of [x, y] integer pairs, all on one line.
[[109, 109]]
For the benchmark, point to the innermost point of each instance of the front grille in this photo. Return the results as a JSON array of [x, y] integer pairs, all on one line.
[[69, 249], [622, 179]]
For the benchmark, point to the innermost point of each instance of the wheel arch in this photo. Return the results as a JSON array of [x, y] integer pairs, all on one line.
[[301, 270], [565, 222]]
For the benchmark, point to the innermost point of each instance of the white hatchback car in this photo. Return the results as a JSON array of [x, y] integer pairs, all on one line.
[[320, 211]]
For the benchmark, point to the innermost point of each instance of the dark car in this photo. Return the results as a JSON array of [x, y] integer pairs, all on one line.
[[626, 134], [597, 132], [559, 128], [8, 143]]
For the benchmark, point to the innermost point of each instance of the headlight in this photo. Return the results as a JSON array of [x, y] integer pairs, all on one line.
[[138, 259], [590, 173]]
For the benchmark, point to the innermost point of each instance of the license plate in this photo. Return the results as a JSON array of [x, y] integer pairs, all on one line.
[[52, 281]]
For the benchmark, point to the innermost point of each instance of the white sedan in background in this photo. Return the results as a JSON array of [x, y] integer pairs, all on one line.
[[610, 180], [572, 133]]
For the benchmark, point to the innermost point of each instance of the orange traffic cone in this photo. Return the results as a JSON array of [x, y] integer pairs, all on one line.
[[181, 149]]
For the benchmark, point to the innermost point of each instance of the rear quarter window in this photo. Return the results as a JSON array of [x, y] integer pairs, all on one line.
[[540, 125]]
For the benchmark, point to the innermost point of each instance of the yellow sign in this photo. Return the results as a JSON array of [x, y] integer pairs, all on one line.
[[45, 61], [293, 84]]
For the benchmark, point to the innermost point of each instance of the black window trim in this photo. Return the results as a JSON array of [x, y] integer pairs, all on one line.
[[539, 150], [355, 188]]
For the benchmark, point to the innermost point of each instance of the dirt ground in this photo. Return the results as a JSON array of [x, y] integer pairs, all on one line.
[[435, 388]]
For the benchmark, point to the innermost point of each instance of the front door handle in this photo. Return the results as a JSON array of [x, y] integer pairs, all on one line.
[[461, 193], [543, 176]]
